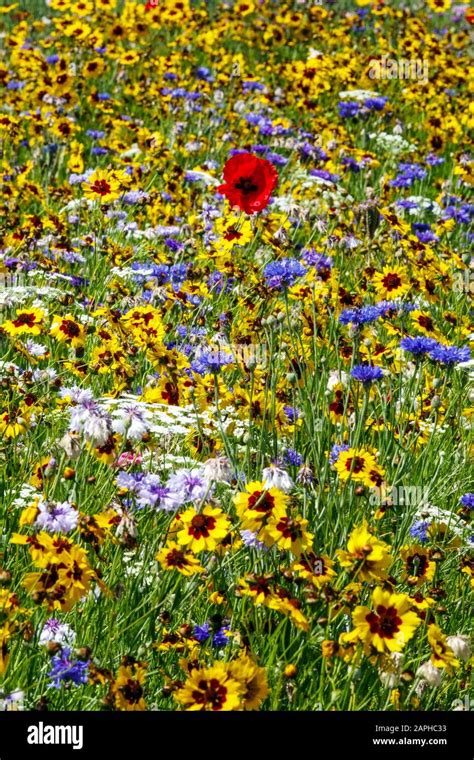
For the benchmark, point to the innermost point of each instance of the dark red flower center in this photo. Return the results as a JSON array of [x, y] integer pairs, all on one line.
[[24, 319], [201, 525], [358, 465], [386, 622], [261, 503], [69, 328], [176, 558], [417, 565], [210, 692], [132, 691], [101, 187], [392, 281], [289, 529], [232, 234]]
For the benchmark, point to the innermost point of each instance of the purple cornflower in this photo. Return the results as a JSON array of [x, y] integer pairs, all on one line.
[[220, 637], [292, 457], [418, 345], [249, 539], [419, 530], [408, 174], [283, 273], [68, 670], [131, 481], [188, 485], [152, 493], [366, 373], [467, 500], [318, 260], [450, 354], [57, 518]]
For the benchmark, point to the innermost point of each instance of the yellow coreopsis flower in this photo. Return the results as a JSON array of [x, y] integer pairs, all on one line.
[[257, 504], [388, 624], [418, 567], [67, 330], [173, 557], [127, 689], [392, 282], [288, 533], [204, 530], [367, 556], [105, 186], [27, 321], [253, 680], [213, 689], [356, 464], [442, 656]]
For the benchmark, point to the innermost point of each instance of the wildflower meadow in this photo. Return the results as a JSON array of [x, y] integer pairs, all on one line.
[[235, 373]]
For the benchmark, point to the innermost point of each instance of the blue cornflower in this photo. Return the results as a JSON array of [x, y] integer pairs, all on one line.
[[419, 530], [408, 174], [96, 134], [283, 273], [418, 345], [367, 373], [450, 354], [68, 670], [467, 500], [208, 361], [349, 109], [292, 457], [292, 412], [204, 632], [324, 174], [318, 260], [375, 104], [360, 316]]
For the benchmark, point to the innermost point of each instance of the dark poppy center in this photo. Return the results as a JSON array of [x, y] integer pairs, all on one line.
[[246, 185]]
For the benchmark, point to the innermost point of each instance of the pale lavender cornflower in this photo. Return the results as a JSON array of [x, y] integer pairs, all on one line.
[[56, 632], [249, 539], [275, 476], [131, 481], [152, 493], [218, 469], [88, 418], [57, 518], [131, 421], [189, 485]]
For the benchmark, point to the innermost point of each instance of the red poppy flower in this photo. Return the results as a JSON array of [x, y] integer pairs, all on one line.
[[151, 4], [249, 182]]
